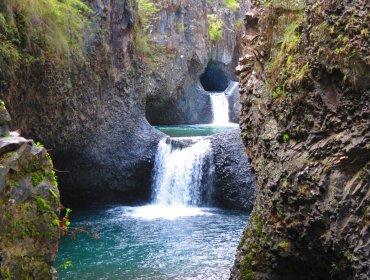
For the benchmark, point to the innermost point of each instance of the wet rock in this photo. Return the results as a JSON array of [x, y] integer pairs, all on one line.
[[234, 181]]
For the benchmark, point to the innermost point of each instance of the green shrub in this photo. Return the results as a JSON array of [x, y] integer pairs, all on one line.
[[147, 13], [36, 30], [232, 4], [215, 27]]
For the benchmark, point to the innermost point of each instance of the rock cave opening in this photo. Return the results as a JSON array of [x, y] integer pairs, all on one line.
[[214, 77]]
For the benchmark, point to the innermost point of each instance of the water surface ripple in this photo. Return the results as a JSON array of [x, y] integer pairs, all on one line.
[[133, 246]]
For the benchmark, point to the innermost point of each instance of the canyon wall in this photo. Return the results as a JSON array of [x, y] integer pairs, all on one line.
[[184, 51], [305, 123], [92, 115], [29, 208]]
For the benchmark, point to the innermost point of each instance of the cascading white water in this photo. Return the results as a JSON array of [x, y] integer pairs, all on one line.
[[220, 105], [178, 179], [178, 173]]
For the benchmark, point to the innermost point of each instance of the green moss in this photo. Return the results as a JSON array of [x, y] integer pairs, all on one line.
[[42, 204], [363, 174], [253, 242], [277, 92], [37, 178], [282, 4], [33, 31], [2, 105], [284, 245], [286, 183], [53, 178], [286, 137]]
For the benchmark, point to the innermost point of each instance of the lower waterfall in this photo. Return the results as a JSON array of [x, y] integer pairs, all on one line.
[[179, 173], [182, 179]]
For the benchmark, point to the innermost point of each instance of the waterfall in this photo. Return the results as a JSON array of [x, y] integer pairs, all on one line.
[[220, 105], [179, 172], [182, 179]]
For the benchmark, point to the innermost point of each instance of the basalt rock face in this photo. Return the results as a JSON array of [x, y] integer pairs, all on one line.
[[29, 208], [184, 50], [92, 116], [305, 123], [233, 179]]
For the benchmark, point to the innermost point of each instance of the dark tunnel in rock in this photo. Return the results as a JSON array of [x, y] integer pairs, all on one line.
[[214, 77]]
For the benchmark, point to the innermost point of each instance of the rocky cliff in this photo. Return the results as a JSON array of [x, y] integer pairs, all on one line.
[[233, 180], [305, 122], [92, 114], [29, 207], [187, 59]]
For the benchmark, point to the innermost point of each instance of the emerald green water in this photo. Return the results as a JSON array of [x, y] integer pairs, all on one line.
[[135, 244], [194, 130]]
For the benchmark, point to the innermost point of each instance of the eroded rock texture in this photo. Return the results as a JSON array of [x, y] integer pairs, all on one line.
[[29, 208], [92, 116], [305, 124], [175, 94], [233, 179]]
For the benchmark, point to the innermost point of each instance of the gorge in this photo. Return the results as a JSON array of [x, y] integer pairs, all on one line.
[[170, 126], [179, 234]]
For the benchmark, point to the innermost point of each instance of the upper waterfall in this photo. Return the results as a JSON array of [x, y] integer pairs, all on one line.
[[220, 105]]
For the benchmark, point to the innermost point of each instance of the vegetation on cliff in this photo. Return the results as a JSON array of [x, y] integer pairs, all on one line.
[[147, 11], [305, 92], [215, 28], [36, 31], [29, 207]]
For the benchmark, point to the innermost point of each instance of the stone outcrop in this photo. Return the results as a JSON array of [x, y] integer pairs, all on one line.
[[305, 123], [92, 116], [184, 50], [29, 208], [234, 181]]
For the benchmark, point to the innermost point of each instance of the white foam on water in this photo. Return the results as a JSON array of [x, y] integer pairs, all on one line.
[[171, 212], [177, 180]]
